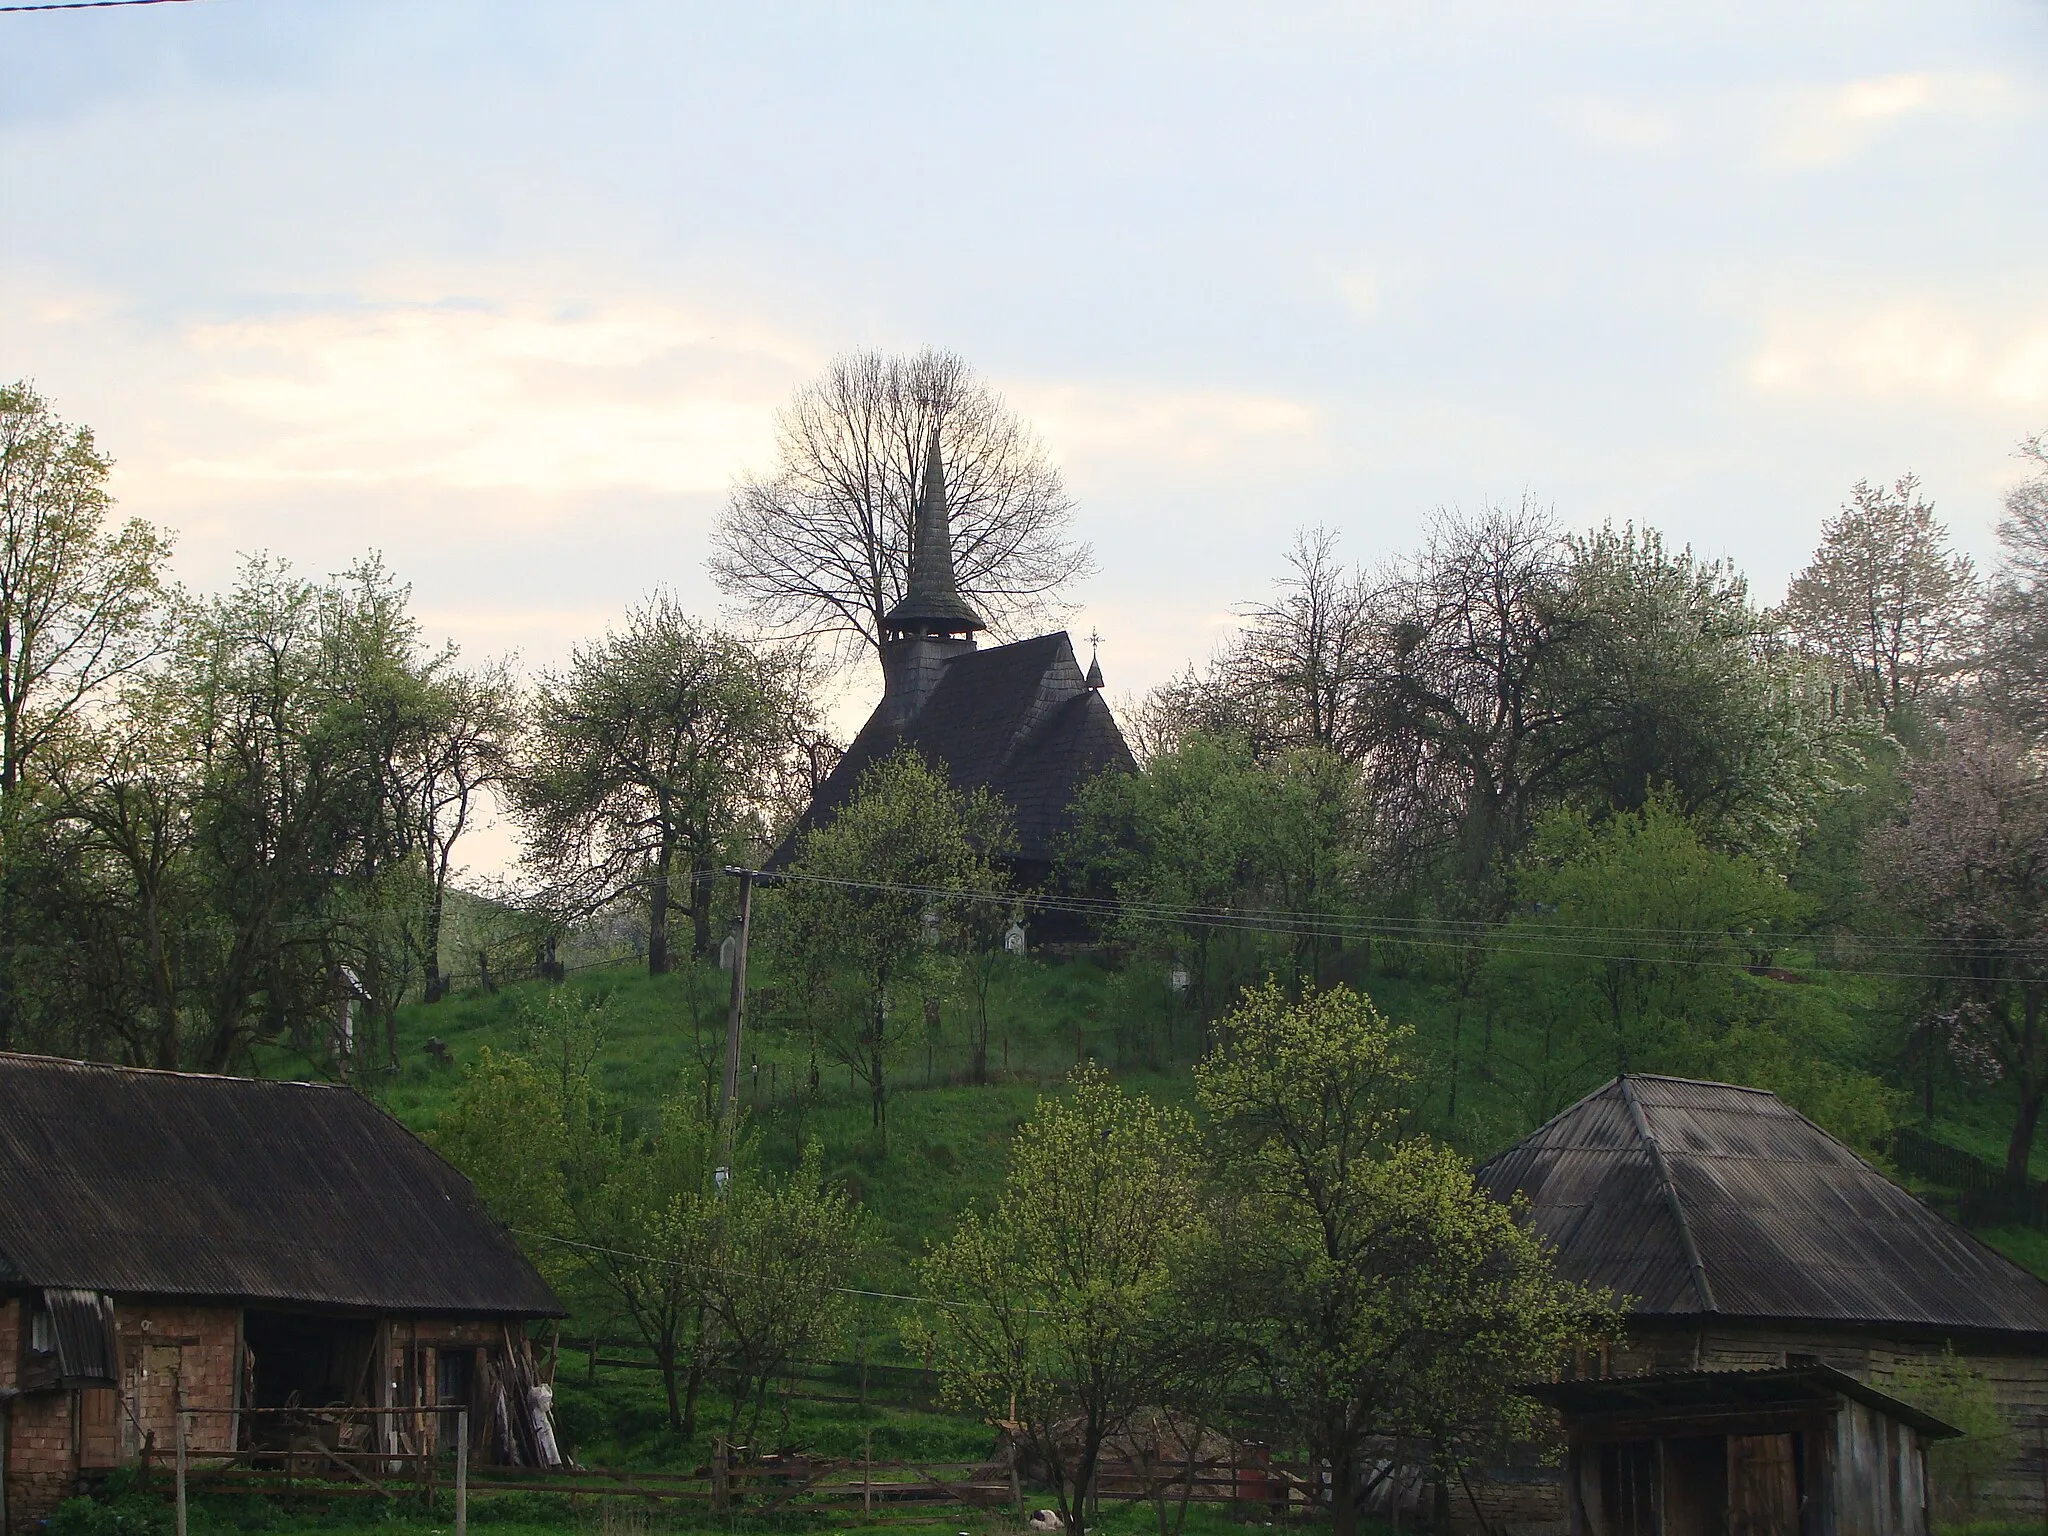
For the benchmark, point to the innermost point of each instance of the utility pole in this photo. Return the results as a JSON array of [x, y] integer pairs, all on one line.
[[734, 1019]]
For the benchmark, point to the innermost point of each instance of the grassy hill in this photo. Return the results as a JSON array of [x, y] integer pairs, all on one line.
[[947, 1141]]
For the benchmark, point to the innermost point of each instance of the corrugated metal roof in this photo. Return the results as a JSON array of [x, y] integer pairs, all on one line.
[[167, 1183], [1679, 1393], [82, 1323], [1788, 1223]]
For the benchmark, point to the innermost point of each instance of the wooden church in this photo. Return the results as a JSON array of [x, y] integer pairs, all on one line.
[[1022, 720]]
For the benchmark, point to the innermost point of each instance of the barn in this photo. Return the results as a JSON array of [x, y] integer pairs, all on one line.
[[1748, 1239], [245, 1244]]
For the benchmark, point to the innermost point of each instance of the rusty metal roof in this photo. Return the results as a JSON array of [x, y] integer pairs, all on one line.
[[1697, 1198], [134, 1182]]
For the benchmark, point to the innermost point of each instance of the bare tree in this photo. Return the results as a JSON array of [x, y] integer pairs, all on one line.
[[820, 546], [1465, 736], [1309, 649], [1884, 599], [457, 751]]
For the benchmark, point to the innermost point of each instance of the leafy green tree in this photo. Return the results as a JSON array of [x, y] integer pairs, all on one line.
[[777, 1295], [1966, 1398], [648, 757], [1673, 687], [865, 915], [1177, 845], [627, 1219], [1371, 1287], [82, 604], [1204, 845], [1885, 601], [1649, 925], [1056, 1310]]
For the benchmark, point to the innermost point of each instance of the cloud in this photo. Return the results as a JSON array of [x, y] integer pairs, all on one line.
[[477, 395], [1822, 126], [1183, 428], [1614, 124], [1361, 294], [1908, 350]]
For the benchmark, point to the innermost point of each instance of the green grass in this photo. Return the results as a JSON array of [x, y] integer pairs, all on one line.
[[947, 1142]]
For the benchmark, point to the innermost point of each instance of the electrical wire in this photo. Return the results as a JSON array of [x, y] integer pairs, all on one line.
[[741, 1274], [88, 5]]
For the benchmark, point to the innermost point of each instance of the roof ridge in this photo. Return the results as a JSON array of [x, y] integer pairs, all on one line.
[[1703, 1082], [38, 1059], [1685, 1233]]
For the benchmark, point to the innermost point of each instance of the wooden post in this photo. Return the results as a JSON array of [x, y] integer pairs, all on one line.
[[462, 1472], [718, 1474], [1016, 1485], [867, 1472], [178, 1432]]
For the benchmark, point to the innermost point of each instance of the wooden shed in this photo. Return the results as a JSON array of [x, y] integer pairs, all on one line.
[[1801, 1452], [240, 1244], [1745, 1237]]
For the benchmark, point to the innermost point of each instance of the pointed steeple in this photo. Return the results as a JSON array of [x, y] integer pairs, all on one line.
[[932, 604], [1094, 679]]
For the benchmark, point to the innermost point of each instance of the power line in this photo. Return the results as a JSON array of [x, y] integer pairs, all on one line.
[[741, 1274], [88, 5]]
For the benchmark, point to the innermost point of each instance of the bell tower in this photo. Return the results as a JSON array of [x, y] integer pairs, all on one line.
[[933, 623]]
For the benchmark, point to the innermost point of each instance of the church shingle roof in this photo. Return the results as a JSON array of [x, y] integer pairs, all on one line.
[[1018, 720], [1705, 1198]]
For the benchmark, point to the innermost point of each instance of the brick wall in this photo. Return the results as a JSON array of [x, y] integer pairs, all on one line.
[[53, 1437], [41, 1471], [165, 1346]]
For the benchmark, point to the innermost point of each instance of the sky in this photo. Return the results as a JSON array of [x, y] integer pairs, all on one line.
[[511, 291]]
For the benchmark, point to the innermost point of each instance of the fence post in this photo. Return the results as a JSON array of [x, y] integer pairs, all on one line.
[[718, 1469], [867, 1471], [178, 1433], [1016, 1489], [462, 1472]]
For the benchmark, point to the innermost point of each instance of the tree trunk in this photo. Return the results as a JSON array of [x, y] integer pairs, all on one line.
[[665, 1356], [1343, 1491], [2019, 1151], [695, 1383], [700, 907], [878, 1093], [436, 984], [657, 914]]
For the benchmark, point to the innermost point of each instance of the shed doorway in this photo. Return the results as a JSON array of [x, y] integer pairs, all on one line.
[[303, 1360], [1699, 1485], [1763, 1485]]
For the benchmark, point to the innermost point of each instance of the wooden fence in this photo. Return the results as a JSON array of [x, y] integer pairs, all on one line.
[[861, 1382], [312, 1454], [1983, 1198]]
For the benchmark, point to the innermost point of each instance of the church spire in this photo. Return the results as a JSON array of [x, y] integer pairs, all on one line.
[[932, 604]]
